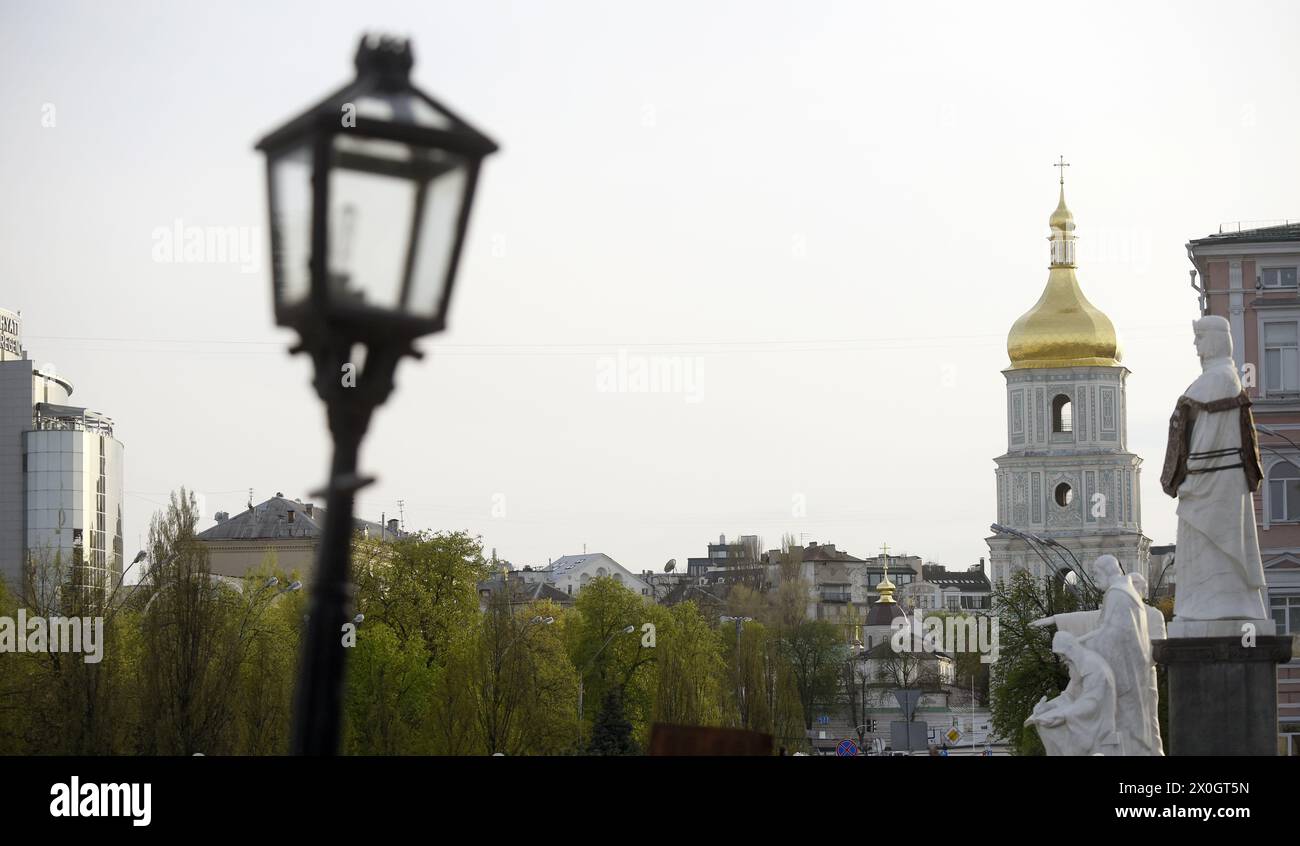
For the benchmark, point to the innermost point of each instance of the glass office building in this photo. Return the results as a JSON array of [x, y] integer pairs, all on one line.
[[61, 477]]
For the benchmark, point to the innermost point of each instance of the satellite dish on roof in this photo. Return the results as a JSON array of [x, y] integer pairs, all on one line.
[[671, 565]]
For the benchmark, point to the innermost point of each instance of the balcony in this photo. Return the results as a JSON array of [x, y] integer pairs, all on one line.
[[66, 418], [836, 596]]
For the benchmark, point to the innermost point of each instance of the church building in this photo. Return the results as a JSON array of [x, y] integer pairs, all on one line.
[[1067, 487]]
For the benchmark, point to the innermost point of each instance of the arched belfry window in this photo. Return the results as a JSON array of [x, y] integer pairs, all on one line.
[[1062, 416], [1283, 492]]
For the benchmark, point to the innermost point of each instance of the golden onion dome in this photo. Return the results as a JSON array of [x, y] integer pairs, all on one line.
[[1062, 218], [1063, 329]]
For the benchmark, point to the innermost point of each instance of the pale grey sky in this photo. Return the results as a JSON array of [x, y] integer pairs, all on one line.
[[828, 214]]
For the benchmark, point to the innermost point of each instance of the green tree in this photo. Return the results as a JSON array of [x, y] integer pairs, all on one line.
[[388, 691], [422, 586], [269, 660], [1026, 669], [525, 686], [816, 652], [689, 688], [66, 702], [612, 732], [194, 632], [762, 694], [607, 657]]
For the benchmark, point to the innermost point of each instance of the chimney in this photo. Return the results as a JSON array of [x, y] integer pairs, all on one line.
[[392, 526], [308, 509], [280, 494], [812, 544], [290, 515], [222, 516]]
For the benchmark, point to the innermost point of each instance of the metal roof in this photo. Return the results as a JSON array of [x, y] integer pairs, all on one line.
[[271, 520], [1289, 231]]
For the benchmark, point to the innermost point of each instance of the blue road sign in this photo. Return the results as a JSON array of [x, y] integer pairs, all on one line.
[[847, 749]]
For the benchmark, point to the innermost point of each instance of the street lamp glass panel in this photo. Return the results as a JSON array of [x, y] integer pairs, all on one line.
[[291, 221], [394, 209], [443, 199]]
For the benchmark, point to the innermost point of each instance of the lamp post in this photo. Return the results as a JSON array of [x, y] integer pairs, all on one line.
[[582, 676], [1037, 544], [369, 194], [740, 627]]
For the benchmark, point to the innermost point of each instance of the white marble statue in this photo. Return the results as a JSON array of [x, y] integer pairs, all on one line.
[[1120, 632], [1081, 721], [1212, 466]]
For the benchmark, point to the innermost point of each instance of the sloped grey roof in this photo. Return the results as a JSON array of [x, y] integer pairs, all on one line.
[[1282, 232], [524, 592], [565, 563], [270, 520]]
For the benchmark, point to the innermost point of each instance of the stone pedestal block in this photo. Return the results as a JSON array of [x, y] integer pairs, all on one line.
[[1222, 695]]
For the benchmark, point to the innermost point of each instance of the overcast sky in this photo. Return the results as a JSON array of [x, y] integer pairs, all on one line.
[[827, 216]]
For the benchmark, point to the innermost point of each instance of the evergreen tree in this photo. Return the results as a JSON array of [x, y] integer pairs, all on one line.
[[612, 732]]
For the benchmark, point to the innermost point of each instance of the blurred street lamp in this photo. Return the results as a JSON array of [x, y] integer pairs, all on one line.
[[369, 193]]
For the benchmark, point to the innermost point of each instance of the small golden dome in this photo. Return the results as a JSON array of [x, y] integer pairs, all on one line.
[[1063, 329], [1062, 218]]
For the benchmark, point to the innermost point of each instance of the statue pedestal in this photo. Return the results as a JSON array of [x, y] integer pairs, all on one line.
[[1222, 695]]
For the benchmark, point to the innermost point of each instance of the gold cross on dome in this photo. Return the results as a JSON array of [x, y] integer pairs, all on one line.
[[884, 549], [1062, 164]]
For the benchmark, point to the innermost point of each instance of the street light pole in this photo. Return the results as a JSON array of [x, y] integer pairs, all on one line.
[[379, 125], [583, 675], [319, 698]]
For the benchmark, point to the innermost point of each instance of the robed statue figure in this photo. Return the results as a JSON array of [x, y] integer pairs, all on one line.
[[1212, 466]]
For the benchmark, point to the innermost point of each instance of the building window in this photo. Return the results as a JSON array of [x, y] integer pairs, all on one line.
[[1062, 417], [1064, 494], [1286, 613], [1278, 277], [1281, 372], [1283, 493]]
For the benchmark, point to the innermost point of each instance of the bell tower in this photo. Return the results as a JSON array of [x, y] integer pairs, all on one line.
[[1067, 476]]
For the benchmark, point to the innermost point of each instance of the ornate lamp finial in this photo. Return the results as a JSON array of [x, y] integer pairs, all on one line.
[[386, 56]]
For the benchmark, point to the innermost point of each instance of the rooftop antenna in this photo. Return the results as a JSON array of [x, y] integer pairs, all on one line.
[[250, 499], [401, 514]]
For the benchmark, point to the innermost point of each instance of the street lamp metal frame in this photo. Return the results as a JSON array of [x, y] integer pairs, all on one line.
[[331, 319]]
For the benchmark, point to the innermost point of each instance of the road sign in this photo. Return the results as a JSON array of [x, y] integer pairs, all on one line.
[[953, 735], [907, 737], [908, 700], [847, 749], [824, 719]]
